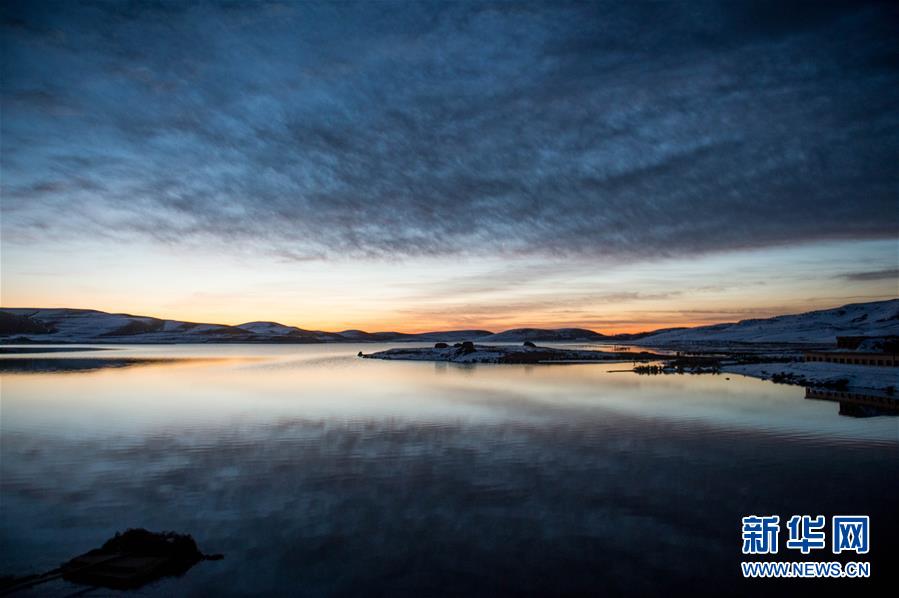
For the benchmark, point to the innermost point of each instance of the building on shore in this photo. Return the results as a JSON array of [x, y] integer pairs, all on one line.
[[860, 350]]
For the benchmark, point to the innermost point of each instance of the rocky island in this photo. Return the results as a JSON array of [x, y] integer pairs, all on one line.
[[468, 352]]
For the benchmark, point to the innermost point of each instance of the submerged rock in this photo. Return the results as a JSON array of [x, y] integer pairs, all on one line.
[[134, 558], [126, 561]]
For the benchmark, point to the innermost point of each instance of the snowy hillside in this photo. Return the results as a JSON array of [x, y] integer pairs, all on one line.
[[878, 318], [281, 332], [87, 325], [78, 325]]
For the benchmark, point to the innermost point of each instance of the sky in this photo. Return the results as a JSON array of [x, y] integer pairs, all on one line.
[[411, 166]]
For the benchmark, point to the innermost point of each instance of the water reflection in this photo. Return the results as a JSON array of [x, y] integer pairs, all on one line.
[[40, 365], [43, 349], [318, 473], [855, 403], [183, 386]]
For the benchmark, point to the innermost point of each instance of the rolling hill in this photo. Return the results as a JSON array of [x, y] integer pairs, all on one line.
[[877, 318], [42, 325]]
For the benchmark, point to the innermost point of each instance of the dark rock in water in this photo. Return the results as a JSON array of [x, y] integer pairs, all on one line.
[[440, 346], [529, 344], [134, 558], [467, 347], [457, 345], [359, 354]]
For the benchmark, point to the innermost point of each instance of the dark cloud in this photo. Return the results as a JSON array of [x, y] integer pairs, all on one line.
[[887, 274], [391, 130]]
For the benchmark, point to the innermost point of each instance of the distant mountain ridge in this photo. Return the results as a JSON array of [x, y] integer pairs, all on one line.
[[63, 325], [52, 325], [518, 335]]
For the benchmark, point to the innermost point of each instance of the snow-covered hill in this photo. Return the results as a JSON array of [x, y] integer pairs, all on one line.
[[87, 325], [284, 333], [878, 318], [79, 325]]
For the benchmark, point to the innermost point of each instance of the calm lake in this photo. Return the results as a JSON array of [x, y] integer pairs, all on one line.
[[318, 473]]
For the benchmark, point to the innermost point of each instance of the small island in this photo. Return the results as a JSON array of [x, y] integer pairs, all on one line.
[[468, 352]]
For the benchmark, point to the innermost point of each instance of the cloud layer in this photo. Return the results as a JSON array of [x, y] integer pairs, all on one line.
[[619, 130]]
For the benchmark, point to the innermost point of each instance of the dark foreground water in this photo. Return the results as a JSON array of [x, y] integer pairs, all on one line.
[[317, 473]]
